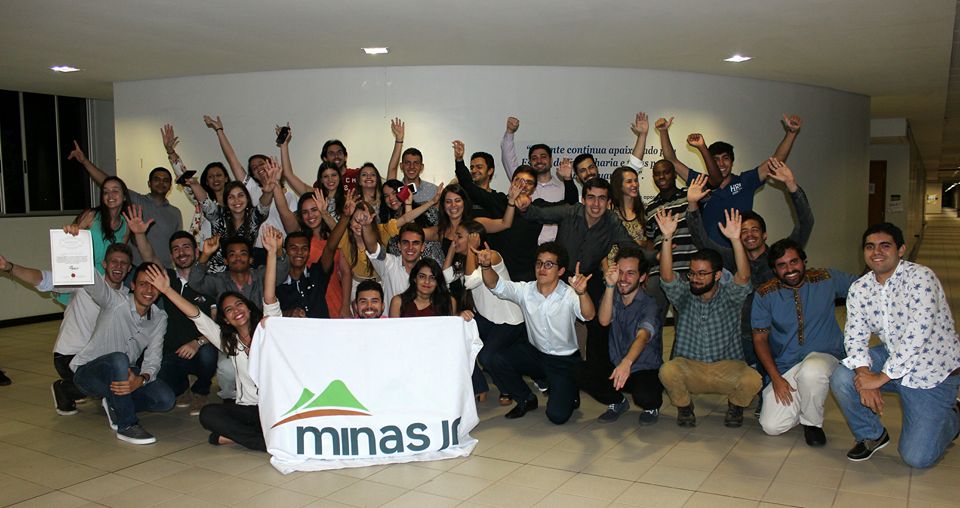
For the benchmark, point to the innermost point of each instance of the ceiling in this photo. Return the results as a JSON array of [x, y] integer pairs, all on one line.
[[898, 52]]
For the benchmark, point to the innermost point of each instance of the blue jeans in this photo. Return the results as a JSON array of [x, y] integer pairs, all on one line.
[[930, 420], [94, 379], [522, 358], [175, 370], [496, 338]]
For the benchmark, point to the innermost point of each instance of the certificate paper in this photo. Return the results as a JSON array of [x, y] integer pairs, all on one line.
[[71, 258]]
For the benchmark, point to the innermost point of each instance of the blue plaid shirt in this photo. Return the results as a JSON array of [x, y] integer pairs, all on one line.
[[707, 331]]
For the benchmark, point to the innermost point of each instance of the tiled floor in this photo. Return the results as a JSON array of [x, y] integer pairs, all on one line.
[[51, 460]]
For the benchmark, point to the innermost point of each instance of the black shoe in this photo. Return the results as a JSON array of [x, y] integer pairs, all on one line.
[[685, 416], [865, 449], [576, 403], [64, 405], [756, 412], [614, 411], [734, 416], [4, 380], [814, 435], [522, 408]]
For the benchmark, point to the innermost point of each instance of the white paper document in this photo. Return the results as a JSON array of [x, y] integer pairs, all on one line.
[[71, 258]]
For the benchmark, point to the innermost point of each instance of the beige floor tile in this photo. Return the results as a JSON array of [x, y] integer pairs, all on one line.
[[704, 500], [937, 475], [703, 461], [653, 496], [230, 491], [538, 477], [560, 459], [512, 452], [407, 476], [367, 493], [361, 472], [53, 499], [748, 487], [858, 500], [103, 486], [277, 498], [595, 487], [677, 477], [622, 469], [14, 490], [825, 477], [796, 494], [763, 467], [414, 499], [268, 475], [143, 495], [58, 477], [876, 484], [486, 468], [153, 469], [509, 495], [190, 480], [926, 492], [559, 500], [456, 486], [186, 501]]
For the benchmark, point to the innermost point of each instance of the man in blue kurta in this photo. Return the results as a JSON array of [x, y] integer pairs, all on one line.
[[798, 340]]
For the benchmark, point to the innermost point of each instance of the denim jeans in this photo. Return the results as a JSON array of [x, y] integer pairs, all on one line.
[[496, 338], [930, 421], [175, 370], [522, 358], [94, 379]]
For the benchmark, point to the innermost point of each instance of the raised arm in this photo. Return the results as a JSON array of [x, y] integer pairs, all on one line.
[[95, 173], [640, 127], [791, 126], [286, 165], [272, 242], [272, 183], [138, 228], [485, 259], [397, 127], [578, 282], [666, 146], [571, 195], [713, 170], [27, 275], [731, 229], [610, 279], [497, 225], [696, 192], [508, 152], [780, 172], [333, 241], [667, 222], [236, 167]]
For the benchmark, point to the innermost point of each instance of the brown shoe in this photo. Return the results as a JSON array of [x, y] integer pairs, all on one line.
[[198, 402], [185, 399], [505, 400]]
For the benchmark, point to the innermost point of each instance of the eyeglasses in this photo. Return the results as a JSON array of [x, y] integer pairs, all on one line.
[[547, 265], [700, 275]]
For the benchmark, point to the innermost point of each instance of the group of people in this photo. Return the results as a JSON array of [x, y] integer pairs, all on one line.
[[569, 276]]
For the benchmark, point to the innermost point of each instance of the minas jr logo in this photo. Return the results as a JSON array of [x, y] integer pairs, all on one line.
[[337, 400]]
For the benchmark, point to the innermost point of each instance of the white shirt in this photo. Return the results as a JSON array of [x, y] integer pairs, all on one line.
[[247, 394], [273, 218], [497, 311], [79, 318], [911, 316], [394, 276], [549, 319]]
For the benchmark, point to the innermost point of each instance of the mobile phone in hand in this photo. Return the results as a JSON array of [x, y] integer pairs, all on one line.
[[188, 174], [283, 134]]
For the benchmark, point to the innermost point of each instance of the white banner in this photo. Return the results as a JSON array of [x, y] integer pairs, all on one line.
[[340, 393]]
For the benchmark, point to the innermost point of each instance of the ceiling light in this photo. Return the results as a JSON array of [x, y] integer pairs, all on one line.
[[738, 58], [376, 51], [63, 68]]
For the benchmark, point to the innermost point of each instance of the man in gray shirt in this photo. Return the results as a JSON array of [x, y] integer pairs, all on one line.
[[128, 325]]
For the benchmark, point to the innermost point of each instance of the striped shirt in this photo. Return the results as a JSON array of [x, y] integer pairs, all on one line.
[[683, 246]]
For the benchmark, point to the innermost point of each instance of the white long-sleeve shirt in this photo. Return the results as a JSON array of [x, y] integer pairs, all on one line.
[[909, 313], [549, 318]]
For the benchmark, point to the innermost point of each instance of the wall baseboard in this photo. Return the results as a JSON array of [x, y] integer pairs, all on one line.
[[29, 320]]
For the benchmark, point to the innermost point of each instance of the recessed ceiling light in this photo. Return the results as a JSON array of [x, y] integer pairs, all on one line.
[[63, 68], [738, 58], [376, 51]]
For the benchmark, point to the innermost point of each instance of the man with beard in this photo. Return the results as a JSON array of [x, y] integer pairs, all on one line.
[[730, 191], [369, 301], [707, 354], [303, 293], [480, 175], [918, 356], [79, 318], [128, 326], [239, 276], [798, 340], [394, 270], [635, 345], [540, 158], [753, 235]]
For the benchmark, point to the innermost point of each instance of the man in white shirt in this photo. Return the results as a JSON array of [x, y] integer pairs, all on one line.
[[919, 356], [550, 308], [394, 270]]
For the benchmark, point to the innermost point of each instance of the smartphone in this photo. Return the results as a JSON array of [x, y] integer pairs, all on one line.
[[412, 187], [188, 174], [282, 135]]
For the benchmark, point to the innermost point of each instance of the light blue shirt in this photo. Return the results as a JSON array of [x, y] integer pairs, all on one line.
[[550, 318]]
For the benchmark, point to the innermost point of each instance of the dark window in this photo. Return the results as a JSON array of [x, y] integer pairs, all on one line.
[[43, 172], [72, 116], [14, 199]]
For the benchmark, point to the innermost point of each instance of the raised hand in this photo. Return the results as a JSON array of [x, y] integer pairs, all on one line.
[[211, 123], [158, 278], [523, 202], [273, 175], [72, 229], [350, 204], [135, 222], [319, 200], [667, 222], [458, 150], [696, 140], [397, 128], [641, 125], [272, 239], [436, 197], [792, 123], [782, 173], [698, 189], [4, 264], [565, 171], [77, 154], [484, 256], [276, 131], [662, 124], [731, 227], [170, 140], [362, 217], [516, 189], [211, 246], [612, 275], [578, 282], [513, 123]]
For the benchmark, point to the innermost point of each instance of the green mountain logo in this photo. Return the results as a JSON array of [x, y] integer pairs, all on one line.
[[335, 400]]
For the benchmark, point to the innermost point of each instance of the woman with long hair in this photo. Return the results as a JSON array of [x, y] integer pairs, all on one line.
[[370, 184], [232, 333], [428, 294], [106, 221], [626, 201], [213, 178]]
